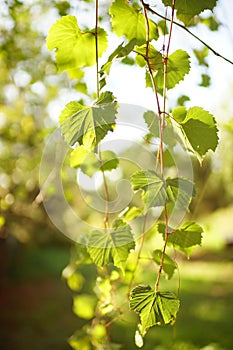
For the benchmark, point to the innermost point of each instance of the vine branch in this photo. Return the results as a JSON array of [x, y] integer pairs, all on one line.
[[147, 6], [106, 216]]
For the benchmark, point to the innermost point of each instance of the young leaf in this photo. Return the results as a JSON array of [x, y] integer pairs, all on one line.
[[114, 246], [88, 125], [178, 65], [128, 20], [74, 48], [180, 191], [169, 265], [153, 187], [154, 308], [200, 129]]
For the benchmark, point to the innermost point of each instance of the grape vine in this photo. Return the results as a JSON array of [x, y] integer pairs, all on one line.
[[111, 257]]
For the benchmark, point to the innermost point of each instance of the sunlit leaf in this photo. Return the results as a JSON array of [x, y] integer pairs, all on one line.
[[149, 55], [90, 164], [109, 160], [73, 47], [111, 247], [77, 156], [178, 65], [188, 235], [132, 213], [187, 9], [169, 265], [199, 127], [153, 187], [180, 191], [88, 125], [152, 121], [185, 237], [128, 20], [154, 308]]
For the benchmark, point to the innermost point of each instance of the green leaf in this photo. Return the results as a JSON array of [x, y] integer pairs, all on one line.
[[152, 121], [199, 127], [109, 160], [188, 235], [90, 164], [178, 65], [88, 125], [132, 213], [179, 113], [73, 47], [187, 9], [153, 56], [154, 308], [111, 247], [153, 187], [180, 191], [128, 20], [185, 237], [77, 156], [169, 265]]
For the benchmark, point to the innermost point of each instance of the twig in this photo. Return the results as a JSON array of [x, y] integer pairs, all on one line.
[[189, 32]]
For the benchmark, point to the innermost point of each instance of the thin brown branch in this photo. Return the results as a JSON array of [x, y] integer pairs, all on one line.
[[96, 47]]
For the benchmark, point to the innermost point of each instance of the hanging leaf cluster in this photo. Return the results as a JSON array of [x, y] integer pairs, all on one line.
[[114, 245]]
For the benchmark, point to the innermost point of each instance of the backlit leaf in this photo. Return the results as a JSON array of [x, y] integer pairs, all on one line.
[[154, 308], [109, 160], [111, 247], [128, 20], [73, 47], [88, 125], [199, 127], [153, 187], [188, 235], [185, 237], [187, 9], [77, 156], [178, 65], [152, 121], [169, 265], [180, 191]]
